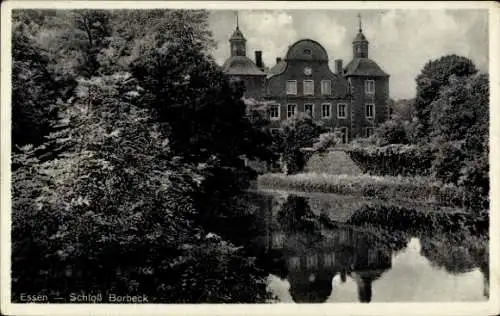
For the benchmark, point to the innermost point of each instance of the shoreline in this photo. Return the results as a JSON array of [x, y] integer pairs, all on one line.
[[419, 190]]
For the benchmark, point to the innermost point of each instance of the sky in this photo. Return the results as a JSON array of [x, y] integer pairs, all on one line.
[[401, 41]]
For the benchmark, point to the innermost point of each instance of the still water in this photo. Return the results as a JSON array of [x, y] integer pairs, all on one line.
[[311, 259]]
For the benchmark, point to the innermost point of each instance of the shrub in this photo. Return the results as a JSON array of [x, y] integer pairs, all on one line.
[[448, 162], [115, 213], [393, 131], [393, 160], [296, 133]]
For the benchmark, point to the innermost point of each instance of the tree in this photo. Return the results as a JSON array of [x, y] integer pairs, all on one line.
[[207, 119], [460, 123], [393, 131], [327, 140], [403, 109], [297, 133], [34, 88], [433, 76], [115, 212]]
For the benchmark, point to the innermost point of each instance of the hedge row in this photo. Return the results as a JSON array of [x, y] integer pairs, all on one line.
[[420, 189], [393, 160]]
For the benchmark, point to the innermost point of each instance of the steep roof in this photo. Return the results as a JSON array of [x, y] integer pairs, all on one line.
[[360, 37], [241, 65], [364, 67], [277, 69], [237, 35]]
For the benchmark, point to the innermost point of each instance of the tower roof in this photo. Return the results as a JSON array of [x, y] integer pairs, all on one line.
[[364, 67], [237, 35], [360, 37], [241, 65], [277, 69]]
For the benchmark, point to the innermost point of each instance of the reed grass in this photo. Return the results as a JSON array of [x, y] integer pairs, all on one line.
[[422, 189]]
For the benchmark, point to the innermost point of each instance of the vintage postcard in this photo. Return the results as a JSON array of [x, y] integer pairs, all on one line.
[[249, 158]]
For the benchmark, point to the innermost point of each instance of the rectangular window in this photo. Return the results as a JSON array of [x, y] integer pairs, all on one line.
[[275, 112], [309, 109], [343, 133], [369, 86], [291, 87], [325, 110], [290, 111], [308, 87], [369, 131], [370, 110], [341, 110], [326, 87]]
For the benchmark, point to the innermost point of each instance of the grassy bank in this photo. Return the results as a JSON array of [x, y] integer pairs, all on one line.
[[419, 189]]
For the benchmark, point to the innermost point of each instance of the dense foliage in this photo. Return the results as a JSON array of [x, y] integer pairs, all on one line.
[[144, 156], [434, 75], [296, 134], [393, 160], [35, 89]]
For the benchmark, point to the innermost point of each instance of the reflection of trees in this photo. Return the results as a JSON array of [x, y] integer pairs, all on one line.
[[314, 287], [485, 270], [457, 253], [296, 216], [364, 280]]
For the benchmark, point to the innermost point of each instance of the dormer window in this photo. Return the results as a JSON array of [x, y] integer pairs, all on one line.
[[307, 51]]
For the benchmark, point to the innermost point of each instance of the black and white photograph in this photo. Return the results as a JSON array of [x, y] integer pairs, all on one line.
[[281, 155]]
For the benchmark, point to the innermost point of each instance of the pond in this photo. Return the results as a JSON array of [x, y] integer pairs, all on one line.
[[313, 254]]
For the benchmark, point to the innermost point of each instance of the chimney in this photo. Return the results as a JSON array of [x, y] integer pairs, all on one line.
[[338, 66], [278, 59], [258, 59]]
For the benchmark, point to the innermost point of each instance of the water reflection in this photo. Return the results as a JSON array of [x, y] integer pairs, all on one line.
[[312, 254]]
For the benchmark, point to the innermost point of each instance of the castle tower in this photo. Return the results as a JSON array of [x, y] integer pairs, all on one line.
[[238, 41], [360, 43], [369, 88], [239, 68]]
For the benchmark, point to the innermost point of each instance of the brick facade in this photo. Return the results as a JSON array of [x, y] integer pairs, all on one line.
[[353, 88]]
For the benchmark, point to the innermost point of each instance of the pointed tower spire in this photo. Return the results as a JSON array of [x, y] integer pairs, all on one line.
[[359, 20], [237, 40], [360, 44]]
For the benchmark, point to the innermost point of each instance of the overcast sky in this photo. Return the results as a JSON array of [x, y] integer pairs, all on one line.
[[401, 41]]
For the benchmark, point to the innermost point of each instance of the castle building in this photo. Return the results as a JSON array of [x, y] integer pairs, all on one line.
[[352, 99]]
